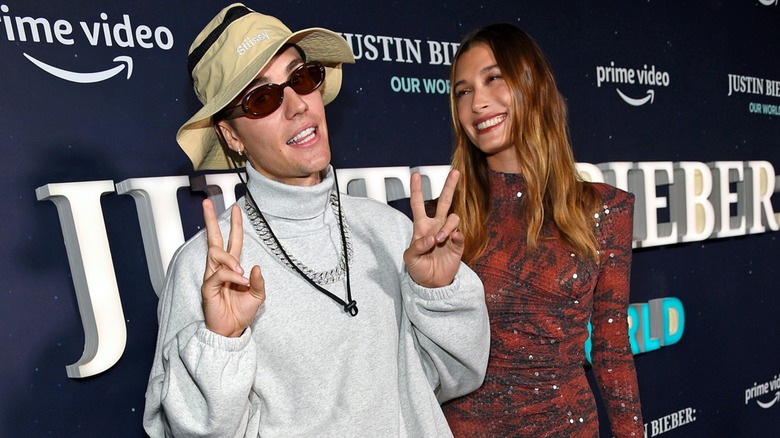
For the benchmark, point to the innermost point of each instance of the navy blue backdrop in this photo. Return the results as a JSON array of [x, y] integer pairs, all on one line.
[[713, 99]]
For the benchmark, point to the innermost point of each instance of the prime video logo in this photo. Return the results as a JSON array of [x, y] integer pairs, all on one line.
[[121, 34], [648, 77], [767, 389]]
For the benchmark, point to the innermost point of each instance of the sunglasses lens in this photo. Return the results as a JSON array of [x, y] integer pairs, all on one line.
[[263, 101], [307, 78]]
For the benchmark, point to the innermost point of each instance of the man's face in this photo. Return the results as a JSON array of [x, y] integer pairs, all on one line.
[[291, 144]]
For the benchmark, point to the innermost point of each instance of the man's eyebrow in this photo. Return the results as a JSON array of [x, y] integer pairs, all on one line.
[[265, 79], [262, 80], [293, 64]]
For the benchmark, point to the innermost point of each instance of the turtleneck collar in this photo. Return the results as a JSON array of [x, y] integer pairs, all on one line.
[[288, 201], [505, 185]]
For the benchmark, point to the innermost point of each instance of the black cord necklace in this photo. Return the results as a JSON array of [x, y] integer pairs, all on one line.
[[349, 306]]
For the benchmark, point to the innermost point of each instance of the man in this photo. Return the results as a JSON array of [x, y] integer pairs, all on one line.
[[338, 329]]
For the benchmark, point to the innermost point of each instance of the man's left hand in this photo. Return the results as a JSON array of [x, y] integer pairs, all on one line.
[[434, 255]]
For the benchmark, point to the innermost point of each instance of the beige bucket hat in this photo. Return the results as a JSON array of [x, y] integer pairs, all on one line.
[[227, 55]]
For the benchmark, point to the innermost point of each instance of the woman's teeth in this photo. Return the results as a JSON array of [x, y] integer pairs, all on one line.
[[491, 122]]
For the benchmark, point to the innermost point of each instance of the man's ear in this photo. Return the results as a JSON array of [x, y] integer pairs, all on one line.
[[230, 136]]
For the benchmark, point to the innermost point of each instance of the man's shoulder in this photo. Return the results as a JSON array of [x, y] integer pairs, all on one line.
[[192, 249], [371, 204], [372, 211]]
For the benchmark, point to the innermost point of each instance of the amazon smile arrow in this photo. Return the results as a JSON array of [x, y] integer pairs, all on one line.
[[637, 102], [86, 78]]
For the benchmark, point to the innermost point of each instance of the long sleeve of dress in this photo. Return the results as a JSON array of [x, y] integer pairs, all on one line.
[[612, 359]]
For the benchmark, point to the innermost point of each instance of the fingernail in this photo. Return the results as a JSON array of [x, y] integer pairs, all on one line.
[[440, 237], [239, 269]]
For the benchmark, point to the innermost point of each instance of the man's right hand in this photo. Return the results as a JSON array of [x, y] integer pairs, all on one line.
[[230, 300]]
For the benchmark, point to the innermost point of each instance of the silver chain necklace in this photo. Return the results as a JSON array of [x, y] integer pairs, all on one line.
[[266, 236]]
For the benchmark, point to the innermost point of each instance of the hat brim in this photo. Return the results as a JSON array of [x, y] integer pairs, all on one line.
[[197, 136]]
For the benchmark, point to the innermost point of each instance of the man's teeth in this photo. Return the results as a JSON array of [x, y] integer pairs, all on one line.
[[491, 122], [303, 136]]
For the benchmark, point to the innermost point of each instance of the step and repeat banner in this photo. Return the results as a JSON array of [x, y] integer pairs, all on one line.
[[677, 102]]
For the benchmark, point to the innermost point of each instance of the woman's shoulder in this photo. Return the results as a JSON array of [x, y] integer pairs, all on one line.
[[615, 211], [611, 195]]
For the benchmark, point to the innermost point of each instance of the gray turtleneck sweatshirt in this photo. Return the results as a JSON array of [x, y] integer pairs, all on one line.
[[304, 367]]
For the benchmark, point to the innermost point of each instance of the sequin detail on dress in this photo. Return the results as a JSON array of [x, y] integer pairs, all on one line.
[[539, 306]]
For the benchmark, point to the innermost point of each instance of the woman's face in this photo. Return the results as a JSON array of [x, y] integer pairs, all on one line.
[[484, 106]]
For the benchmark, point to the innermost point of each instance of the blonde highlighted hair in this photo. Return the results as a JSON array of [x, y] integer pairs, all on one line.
[[539, 133]]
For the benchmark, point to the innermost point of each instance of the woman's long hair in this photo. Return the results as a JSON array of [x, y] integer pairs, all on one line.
[[539, 132]]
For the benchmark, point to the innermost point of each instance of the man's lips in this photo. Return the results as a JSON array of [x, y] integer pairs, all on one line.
[[303, 136]]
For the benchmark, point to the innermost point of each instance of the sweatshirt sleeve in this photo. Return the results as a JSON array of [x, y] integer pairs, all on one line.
[[451, 326], [201, 382], [613, 361]]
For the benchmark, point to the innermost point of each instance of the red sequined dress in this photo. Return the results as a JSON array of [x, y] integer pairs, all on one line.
[[539, 306]]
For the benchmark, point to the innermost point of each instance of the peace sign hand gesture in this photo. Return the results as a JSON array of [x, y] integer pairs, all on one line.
[[434, 255], [230, 300]]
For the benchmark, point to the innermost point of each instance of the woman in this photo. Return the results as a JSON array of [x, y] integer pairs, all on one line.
[[554, 252]]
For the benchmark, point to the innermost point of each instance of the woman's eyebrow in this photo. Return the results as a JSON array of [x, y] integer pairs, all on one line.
[[481, 71], [488, 68]]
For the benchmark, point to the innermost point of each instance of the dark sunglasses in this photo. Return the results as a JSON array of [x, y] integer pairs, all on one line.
[[265, 99]]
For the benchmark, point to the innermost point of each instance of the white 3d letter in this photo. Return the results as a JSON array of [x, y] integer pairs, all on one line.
[[92, 268]]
